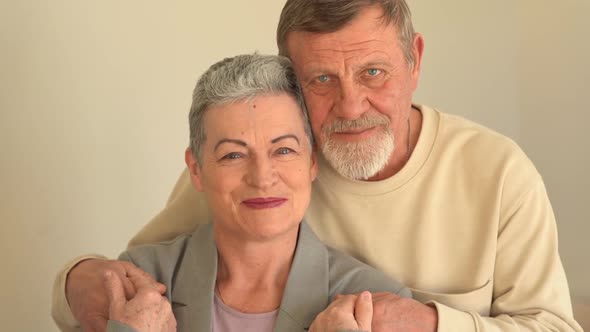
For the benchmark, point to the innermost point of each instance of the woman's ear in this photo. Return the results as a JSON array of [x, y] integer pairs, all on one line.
[[194, 169], [314, 162]]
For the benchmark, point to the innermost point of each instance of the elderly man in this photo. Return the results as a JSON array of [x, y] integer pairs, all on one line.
[[453, 210]]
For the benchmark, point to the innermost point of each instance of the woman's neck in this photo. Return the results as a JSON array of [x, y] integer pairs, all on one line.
[[252, 275]]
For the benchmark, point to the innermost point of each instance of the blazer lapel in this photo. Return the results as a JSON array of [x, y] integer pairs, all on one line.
[[307, 290], [192, 296]]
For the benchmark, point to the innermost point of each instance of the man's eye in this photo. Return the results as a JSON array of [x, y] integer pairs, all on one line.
[[323, 78], [373, 72]]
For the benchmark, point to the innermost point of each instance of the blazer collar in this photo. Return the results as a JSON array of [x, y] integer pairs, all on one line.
[[306, 292], [192, 293]]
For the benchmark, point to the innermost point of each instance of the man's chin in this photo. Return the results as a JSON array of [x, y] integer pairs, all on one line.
[[354, 164]]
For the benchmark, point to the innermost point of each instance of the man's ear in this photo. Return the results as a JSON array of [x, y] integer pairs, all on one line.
[[194, 169], [418, 51]]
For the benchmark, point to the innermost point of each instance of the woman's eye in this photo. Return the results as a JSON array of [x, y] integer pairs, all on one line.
[[232, 155], [284, 151], [323, 78], [373, 72]]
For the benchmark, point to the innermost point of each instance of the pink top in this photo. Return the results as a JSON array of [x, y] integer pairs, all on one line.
[[226, 319]]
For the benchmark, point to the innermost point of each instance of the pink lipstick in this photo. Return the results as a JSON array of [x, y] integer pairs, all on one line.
[[264, 202]]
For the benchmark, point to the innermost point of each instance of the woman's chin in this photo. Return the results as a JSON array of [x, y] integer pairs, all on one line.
[[265, 231]]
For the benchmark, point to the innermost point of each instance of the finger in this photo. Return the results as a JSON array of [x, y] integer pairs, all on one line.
[[384, 296], [129, 288], [342, 296], [363, 311], [379, 295], [142, 279], [171, 323], [120, 268], [98, 324], [345, 303], [115, 293]]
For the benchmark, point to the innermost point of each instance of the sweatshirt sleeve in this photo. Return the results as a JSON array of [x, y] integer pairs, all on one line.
[[530, 291], [60, 309]]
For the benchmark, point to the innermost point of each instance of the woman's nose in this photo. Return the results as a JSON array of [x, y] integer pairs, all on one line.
[[261, 173]]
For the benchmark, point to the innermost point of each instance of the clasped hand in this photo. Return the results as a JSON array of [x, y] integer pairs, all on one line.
[[99, 290], [378, 312]]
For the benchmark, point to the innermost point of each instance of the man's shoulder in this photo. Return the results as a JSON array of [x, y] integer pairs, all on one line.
[[350, 276], [471, 132], [476, 142]]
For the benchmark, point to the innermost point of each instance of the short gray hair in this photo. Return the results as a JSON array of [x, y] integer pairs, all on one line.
[[240, 78], [325, 16]]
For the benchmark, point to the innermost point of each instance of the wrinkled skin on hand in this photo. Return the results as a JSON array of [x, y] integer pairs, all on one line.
[[392, 313], [86, 293], [346, 312], [147, 311]]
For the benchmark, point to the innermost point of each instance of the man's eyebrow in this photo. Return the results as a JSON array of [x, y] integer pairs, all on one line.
[[377, 63], [230, 140], [282, 137]]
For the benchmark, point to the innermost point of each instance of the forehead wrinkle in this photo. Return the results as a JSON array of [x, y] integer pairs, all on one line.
[[376, 57], [349, 47], [366, 42]]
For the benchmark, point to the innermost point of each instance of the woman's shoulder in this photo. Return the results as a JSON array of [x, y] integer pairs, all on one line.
[[158, 259], [348, 275], [164, 250]]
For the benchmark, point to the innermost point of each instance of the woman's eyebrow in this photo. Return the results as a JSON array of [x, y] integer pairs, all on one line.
[[230, 140], [282, 137]]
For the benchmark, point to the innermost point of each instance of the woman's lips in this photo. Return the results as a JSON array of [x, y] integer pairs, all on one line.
[[264, 202]]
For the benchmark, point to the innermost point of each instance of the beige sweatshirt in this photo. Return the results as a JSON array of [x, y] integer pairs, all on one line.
[[466, 224]]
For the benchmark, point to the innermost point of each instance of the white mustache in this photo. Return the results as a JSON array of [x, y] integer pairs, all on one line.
[[365, 122]]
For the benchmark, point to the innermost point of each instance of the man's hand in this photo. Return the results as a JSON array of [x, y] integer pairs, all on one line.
[[393, 313], [148, 311], [86, 293], [346, 312]]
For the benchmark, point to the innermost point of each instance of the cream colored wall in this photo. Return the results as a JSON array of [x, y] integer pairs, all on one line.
[[554, 81], [94, 98], [94, 101]]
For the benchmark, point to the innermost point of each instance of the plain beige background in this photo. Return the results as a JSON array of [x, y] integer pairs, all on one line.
[[94, 97]]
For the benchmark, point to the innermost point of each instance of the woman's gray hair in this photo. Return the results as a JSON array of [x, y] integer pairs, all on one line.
[[241, 78]]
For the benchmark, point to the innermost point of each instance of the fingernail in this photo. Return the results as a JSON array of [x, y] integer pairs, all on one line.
[[366, 296]]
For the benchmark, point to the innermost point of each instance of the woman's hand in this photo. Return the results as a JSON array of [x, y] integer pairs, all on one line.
[[147, 311], [346, 313]]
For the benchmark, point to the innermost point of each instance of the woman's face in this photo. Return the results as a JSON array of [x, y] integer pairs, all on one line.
[[257, 167]]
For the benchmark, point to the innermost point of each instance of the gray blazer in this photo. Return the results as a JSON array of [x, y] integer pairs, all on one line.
[[188, 268]]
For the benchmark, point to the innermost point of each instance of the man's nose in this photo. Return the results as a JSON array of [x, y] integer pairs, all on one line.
[[352, 102], [261, 173]]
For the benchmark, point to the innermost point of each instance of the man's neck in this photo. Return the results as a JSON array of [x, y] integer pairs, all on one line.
[[406, 141]]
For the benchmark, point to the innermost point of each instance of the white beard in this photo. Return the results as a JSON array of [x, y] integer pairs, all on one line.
[[359, 160]]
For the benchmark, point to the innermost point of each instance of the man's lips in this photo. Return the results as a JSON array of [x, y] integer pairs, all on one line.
[[264, 202], [355, 133]]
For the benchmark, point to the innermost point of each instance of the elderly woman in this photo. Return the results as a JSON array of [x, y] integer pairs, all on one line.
[[257, 266]]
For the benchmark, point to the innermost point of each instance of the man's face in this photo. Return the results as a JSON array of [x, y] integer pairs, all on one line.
[[358, 88]]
